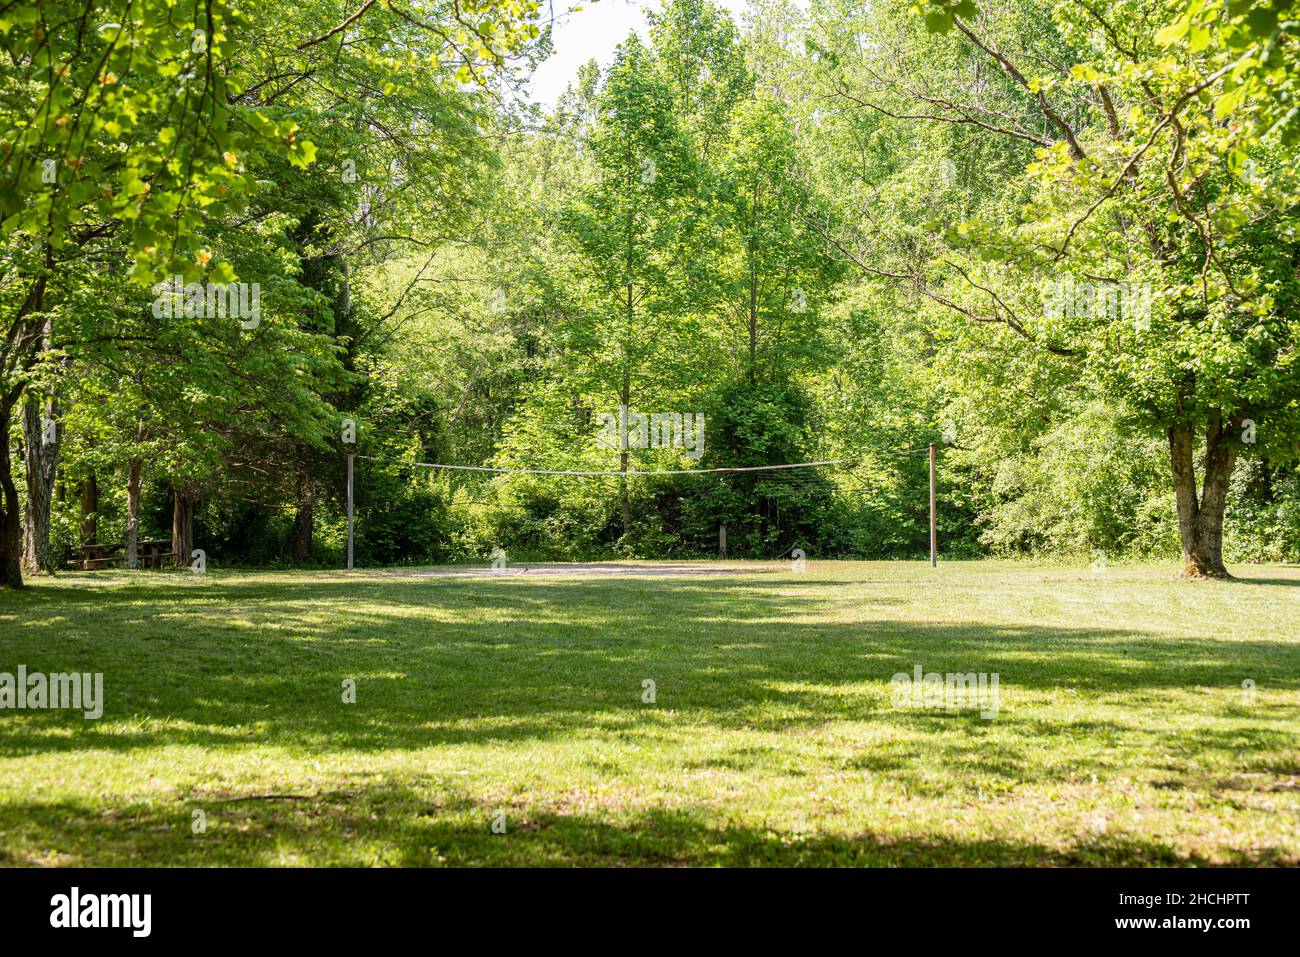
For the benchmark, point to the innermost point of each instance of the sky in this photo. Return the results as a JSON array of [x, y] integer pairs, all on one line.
[[594, 31]]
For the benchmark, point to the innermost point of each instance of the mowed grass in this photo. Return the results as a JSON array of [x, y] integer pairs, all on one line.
[[1124, 735]]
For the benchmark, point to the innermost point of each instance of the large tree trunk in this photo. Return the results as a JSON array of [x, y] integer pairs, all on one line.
[[303, 520], [133, 479], [19, 351], [41, 455], [182, 524], [1200, 520], [11, 535], [89, 510]]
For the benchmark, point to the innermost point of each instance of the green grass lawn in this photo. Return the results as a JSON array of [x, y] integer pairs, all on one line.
[[1123, 735]]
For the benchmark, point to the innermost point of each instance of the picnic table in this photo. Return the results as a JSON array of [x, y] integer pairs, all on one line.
[[152, 553]]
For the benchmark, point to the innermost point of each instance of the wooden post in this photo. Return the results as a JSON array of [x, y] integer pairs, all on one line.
[[934, 548], [350, 458], [722, 541]]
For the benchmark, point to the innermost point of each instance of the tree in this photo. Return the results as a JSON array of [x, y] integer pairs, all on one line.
[[702, 62], [768, 271], [632, 229], [114, 134], [1157, 192], [123, 137]]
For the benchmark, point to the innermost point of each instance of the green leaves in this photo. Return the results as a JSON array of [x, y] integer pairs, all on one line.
[[939, 14], [938, 21], [125, 130], [1261, 22]]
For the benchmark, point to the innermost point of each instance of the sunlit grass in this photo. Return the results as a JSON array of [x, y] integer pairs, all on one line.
[[1124, 735]]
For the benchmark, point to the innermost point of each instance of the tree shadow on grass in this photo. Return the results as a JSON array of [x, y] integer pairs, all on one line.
[[456, 661], [246, 666], [393, 824]]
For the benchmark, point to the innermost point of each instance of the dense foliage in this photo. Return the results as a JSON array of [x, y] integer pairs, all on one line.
[[1056, 239]]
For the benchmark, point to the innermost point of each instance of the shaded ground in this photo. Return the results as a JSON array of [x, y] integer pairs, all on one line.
[[592, 569], [1142, 719]]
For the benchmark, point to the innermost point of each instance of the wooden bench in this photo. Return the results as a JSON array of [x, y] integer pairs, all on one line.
[[94, 557], [152, 553]]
